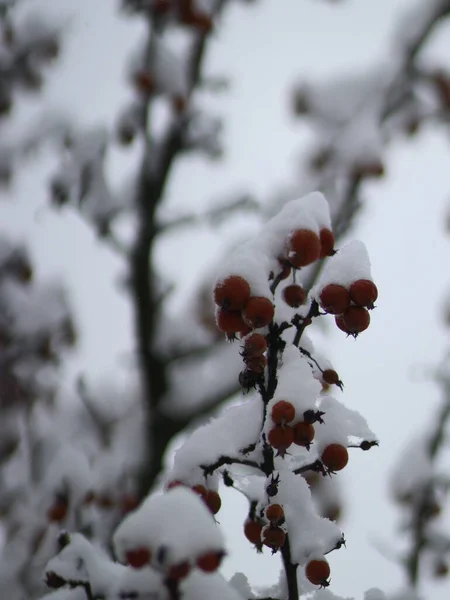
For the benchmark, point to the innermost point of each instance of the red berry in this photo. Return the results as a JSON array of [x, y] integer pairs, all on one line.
[[210, 561], [229, 321], [355, 320], [144, 82], [138, 558], [335, 457], [304, 247], [173, 484], [334, 299], [58, 511], [245, 331], [258, 312], [257, 364], [282, 412], [330, 376], [252, 531], [294, 295], [363, 293], [129, 502], [280, 438], [303, 434], [318, 572], [254, 345], [201, 491], [213, 501], [326, 242], [274, 537], [179, 571], [275, 513], [232, 293]]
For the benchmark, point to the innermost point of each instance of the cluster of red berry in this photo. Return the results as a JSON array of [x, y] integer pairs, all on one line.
[[142, 556], [350, 305], [267, 529]]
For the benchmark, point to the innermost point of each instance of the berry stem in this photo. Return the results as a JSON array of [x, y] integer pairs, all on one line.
[[301, 323], [290, 570]]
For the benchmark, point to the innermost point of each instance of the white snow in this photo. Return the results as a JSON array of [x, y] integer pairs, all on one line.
[[234, 429], [177, 521], [309, 534], [349, 264]]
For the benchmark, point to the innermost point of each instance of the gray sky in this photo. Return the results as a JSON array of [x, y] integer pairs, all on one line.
[[264, 48]]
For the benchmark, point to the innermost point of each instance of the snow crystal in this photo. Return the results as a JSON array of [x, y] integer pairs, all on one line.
[[309, 534], [177, 522]]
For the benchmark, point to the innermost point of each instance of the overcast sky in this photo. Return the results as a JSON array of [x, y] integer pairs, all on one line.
[[264, 48]]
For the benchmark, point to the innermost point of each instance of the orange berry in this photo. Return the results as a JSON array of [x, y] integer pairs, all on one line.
[[161, 6], [138, 558], [257, 364], [258, 312], [58, 511], [334, 299], [275, 513], [335, 457], [252, 531], [232, 293], [179, 571], [330, 376], [105, 501], [304, 247], [213, 501], [294, 295], [245, 331], [280, 438], [210, 561], [282, 412], [144, 82], [174, 484], [303, 434], [89, 497], [202, 22], [254, 345], [179, 103], [201, 491], [274, 537], [363, 293], [229, 321], [318, 572], [326, 242], [130, 502], [355, 320]]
